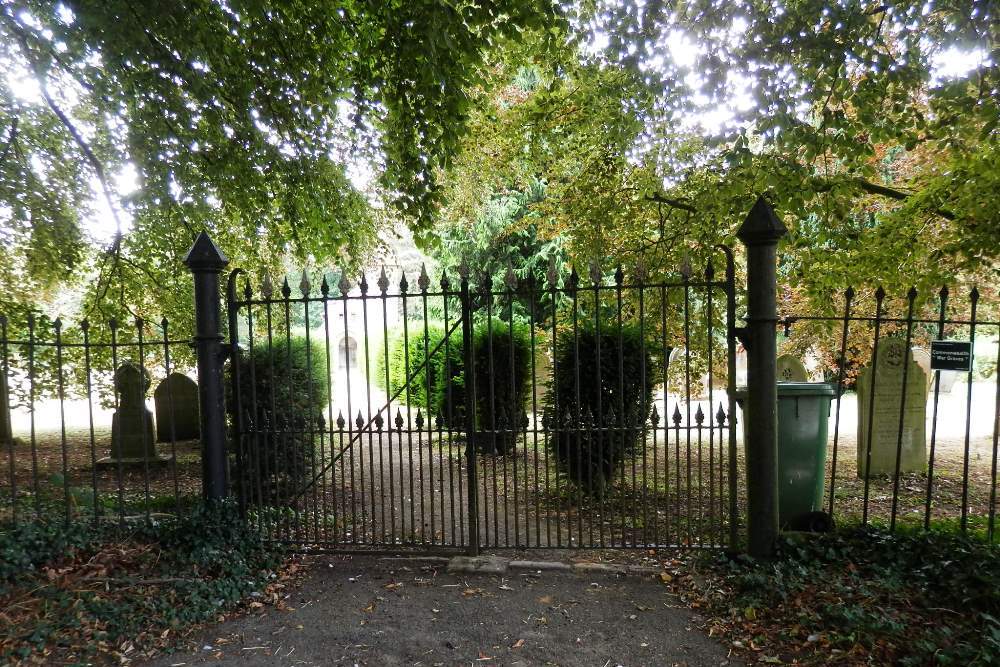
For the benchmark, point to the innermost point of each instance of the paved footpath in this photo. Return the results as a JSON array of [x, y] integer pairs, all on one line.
[[366, 610]]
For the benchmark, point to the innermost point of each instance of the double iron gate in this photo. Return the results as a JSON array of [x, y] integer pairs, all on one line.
[[603, 410]]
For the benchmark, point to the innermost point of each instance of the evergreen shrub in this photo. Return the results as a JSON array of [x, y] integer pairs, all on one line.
[[288, 384], [594, 434]]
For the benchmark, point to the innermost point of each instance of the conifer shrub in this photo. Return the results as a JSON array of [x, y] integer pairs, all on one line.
[[595, 430], [503, 371], [284, 393]]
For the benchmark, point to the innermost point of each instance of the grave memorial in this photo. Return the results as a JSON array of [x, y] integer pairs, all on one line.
[[176, 403], [880, 397]]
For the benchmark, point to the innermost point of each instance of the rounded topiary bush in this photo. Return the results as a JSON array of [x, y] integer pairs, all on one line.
[[595, 430], [406, 356], [284, 393], [502, 355]]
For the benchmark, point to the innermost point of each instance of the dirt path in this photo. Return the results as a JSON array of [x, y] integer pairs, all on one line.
[[363, 610]]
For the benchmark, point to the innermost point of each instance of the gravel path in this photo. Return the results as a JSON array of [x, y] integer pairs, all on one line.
[[363, 610]]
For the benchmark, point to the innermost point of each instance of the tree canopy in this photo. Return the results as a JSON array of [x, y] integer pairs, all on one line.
[[660, 122], [243, 117]]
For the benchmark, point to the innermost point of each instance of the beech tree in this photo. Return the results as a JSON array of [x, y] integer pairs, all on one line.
[[241, 117]]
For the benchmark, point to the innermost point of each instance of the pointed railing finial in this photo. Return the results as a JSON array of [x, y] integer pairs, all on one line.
[[204, 255], [761, 226]]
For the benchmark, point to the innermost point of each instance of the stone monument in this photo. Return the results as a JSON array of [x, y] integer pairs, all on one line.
[[132, 423], [176, 402], [791, 369], [881, 417]]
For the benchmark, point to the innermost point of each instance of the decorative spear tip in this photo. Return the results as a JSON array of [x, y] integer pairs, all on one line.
[[204, 255]]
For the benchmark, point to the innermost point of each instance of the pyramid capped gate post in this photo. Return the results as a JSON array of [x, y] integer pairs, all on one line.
[[206, 262], [760, 233]]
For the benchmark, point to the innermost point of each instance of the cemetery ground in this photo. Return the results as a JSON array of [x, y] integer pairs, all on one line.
[[851, 597]]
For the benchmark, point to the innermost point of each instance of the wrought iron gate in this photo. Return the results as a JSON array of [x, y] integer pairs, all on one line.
[[576, 413]]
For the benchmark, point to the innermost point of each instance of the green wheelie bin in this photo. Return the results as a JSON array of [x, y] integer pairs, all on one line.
[[803, 417]]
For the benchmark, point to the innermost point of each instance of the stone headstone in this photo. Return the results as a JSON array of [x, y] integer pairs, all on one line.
[[923, 359], [882, 419], [132, 423], [790, 369], [176, 401]]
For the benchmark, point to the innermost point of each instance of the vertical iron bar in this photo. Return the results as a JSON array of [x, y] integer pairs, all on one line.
[[423, 283], [911, 298], [488, 293], [991, 526], [687, 401], [732, 474], [328, 430], [62, 419], [709, 277], [6, 407], [578, 412], [170, 409], [841, 370], [85, 328], [258, 437], [666, 428], [143, 417], [291, 418], [383, 285], [113, 325], [643, 408], [235, 372], [344, 289], [31, 412], [943, 297], [373, 480], [879, 297], [470, 413], [600, 432], [513, 417], [534, 413], [270, 428], [310, 431], [403, 286], [974, 299], [555, 421]]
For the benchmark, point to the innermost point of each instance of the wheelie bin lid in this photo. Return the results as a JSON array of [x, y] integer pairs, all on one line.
[[792, 389]]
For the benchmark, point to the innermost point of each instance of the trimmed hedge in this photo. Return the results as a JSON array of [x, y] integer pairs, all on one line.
[[613, 404], [290, 384], [496, 386]]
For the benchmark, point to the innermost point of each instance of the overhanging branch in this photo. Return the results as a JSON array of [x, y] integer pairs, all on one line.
[[819, 185], [673, 202]]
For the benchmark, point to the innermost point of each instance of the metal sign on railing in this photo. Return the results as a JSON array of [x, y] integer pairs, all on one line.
[[951, 355]]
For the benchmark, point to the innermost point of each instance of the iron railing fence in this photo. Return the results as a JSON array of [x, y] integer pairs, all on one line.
[[60, 401], [942, 439], [383, 450]]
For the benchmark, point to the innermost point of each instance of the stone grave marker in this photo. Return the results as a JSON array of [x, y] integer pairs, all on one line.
[[923, 358], [176, 402], [132, 423], [884, 416], [791, 369]]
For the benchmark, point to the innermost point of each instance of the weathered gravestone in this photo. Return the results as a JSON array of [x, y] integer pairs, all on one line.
[[790, 369], [923, 359], [879, 419], [176, 402], [132, 423]]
